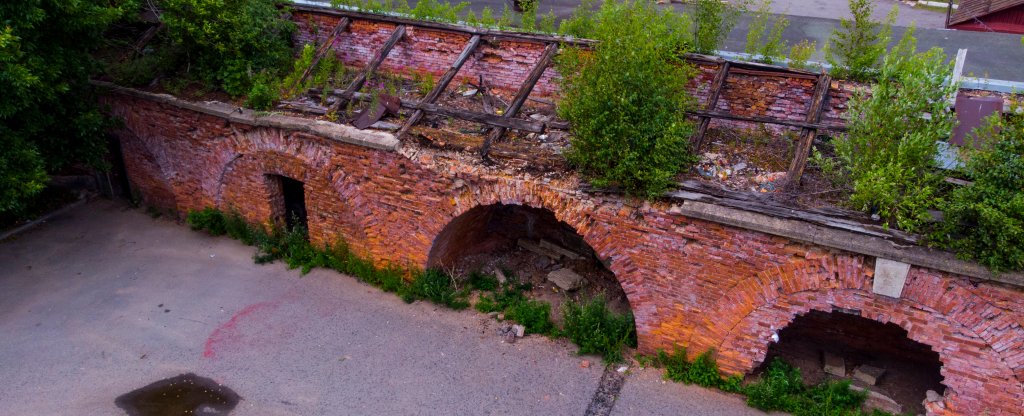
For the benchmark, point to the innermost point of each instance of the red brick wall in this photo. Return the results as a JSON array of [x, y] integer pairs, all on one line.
[[690, 282]]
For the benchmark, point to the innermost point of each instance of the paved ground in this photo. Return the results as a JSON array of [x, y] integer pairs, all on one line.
[[104, 299]]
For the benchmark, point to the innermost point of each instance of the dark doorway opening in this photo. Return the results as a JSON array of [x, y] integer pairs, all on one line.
[[840, 345], [293, 198], [536, 247]]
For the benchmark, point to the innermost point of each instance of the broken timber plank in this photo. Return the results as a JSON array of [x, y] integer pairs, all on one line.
[[371, 67], [803, 150], [322, 51], [767, 120], [521, 95], [441, 85], [143, 40], [715, 92], [477, 117]]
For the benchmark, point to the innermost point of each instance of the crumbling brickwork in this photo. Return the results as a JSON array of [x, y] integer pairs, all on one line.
[[689, 282]]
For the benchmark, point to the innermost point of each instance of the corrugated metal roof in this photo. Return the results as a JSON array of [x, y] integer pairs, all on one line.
[[970, 9]]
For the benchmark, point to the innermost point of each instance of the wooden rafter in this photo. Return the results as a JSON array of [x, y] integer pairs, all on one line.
[[474, 116], [441, 85], [371, 67], [807, 134], [767, 120], [714, 93], [524, 92], [322, 51]]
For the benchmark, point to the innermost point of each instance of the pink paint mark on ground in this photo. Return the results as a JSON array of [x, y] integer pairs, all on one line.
[[227, 333]]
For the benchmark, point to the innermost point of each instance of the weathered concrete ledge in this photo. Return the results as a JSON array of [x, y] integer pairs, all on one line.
[[854, 242], [343, 133]]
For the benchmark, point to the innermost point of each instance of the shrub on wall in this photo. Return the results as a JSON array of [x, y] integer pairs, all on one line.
[[713, 20], [889, 149], [230, 42], [626, 99], [856, 48], [984, 221]]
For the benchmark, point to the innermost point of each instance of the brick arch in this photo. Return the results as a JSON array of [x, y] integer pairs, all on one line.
[[149, 171], [577, 213], [954, 323], [243, 184]]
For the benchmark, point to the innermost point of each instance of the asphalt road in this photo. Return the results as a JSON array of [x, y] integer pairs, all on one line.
[[104, 299], [989, 55]]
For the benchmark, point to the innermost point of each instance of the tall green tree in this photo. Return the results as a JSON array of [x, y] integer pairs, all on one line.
[[626, 99], [856, 48], [48, 117]]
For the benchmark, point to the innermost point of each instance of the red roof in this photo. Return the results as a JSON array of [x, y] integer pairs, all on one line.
[[969, 10]]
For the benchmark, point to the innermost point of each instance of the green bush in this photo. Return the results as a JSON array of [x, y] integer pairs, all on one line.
[[626, 100], [800, 53], [598, 330], [482, 281], [713, 21], [263, 94], [984, 221], [438, 287], [856, 48], [891, 141], [782, 388], [766, 47], [534, 315], [229, 42]]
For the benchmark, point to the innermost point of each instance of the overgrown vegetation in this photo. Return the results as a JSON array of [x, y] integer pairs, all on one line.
[[592, 326], [800, 53], [856, 48], [779, 388], [984, 221], [48, 115], [888, 152], [626, 99], [293, 248], [230, 43], [765, 44], [713, 20], [598, 330]]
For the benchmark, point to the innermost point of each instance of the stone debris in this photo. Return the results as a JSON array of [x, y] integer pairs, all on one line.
[[585, 364], [868, 374], [569, 254], [470, 92], [622, 369], [549, 249], [566, 279], [931, 396], [536, 248], [879, 401], [509, 332], [834, 365]]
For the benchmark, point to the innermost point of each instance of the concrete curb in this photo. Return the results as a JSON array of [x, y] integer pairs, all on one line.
[[32, 224]]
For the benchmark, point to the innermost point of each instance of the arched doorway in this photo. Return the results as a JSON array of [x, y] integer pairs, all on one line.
[[533, 246], [877, 357]]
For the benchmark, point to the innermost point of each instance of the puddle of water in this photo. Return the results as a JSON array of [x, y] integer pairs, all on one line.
[[186, 394]]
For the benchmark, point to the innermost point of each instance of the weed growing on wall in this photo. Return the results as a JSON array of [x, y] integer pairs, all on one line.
[[626, 99], [984, 221], [293, 248], [891, 141], [855, 49]]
